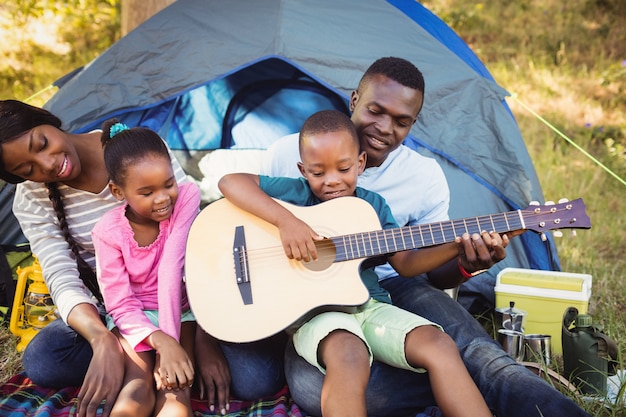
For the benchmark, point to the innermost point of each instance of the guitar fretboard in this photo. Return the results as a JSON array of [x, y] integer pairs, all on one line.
[[380, 242]]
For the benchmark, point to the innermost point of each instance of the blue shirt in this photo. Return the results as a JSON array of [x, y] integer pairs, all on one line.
[[297, 191]]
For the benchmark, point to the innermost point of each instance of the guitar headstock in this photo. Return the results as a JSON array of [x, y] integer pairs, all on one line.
[[550, 216]]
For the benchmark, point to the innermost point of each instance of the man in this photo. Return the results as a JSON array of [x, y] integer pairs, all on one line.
[[384, 107]]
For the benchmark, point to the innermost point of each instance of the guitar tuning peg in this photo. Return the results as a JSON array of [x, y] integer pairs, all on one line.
[[543, 237], [549, 203], [563, 200], [557, 233], [573, 233], [534, 203]]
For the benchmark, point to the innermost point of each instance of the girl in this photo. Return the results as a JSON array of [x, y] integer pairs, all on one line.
[[140, 249]]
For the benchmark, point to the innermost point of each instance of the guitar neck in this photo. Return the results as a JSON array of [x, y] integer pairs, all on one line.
[[382, 242]]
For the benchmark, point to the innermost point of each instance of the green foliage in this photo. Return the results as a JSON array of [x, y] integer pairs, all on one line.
[[579, 33], [607, 143], [615, 75], [79, 30]]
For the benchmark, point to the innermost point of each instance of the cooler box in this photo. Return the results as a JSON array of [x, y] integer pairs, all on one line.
[[544, 295]]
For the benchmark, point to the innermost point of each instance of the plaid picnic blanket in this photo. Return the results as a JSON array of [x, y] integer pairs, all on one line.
[[19, 396]]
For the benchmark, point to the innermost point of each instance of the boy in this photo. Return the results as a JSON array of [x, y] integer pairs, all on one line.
[[343, 345]]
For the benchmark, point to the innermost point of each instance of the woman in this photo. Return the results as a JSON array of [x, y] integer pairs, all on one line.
[[62, 192]]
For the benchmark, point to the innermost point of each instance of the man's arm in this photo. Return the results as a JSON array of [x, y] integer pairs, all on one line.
[[213, 373], [476, 253]]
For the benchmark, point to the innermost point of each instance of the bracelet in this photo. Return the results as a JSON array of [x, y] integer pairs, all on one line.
[[465, 274], [463, 271]]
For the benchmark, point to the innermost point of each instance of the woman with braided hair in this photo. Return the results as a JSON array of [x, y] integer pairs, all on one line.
[[62, 192]]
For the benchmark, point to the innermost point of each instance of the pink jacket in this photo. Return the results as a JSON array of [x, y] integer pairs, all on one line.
[[134, 278]]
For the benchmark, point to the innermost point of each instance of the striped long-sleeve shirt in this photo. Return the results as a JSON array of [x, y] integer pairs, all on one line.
[[38, 220]]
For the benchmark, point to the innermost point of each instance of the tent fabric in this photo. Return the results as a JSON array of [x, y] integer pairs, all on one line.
[[9, 229], [209, 74]]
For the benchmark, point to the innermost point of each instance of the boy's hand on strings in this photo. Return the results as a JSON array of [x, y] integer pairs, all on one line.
[[298, 239]]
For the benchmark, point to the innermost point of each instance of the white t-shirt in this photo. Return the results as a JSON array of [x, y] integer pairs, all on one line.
[[413, 185]]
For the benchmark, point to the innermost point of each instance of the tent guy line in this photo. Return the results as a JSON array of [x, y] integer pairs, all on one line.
[[569, 140]]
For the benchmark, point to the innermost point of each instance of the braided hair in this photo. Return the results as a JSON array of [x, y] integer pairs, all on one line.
[[86, 273]]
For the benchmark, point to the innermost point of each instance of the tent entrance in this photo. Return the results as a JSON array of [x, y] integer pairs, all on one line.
[[248, 108]]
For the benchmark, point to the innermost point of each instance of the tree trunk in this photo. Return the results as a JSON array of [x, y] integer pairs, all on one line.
[[134, 12]]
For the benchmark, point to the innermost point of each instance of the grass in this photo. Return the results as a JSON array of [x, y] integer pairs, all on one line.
[[566, 61], [10, 362]]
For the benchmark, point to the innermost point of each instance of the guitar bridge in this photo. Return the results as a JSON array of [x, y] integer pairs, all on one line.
[[242, 273]]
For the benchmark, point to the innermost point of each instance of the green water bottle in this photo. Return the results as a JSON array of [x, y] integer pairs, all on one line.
[[585, 353]]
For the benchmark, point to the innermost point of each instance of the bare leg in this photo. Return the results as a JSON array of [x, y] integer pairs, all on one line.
[[136, 398], [454, 389], [346, 360], [178, 403], [173, 403]]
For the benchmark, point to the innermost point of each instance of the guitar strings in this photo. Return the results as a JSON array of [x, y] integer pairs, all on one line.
[[397, 238]]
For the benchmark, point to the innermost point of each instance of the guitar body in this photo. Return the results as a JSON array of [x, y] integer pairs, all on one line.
[[282, 290], [242, 287]]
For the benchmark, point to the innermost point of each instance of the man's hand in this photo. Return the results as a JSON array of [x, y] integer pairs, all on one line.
[[476, 252], [104, 377], [481, 251], [213, 375]]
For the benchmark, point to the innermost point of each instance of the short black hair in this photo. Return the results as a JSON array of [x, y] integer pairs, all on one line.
[[398, 69], [326, 121]]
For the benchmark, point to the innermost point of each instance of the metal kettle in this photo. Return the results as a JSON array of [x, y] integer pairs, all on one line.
[[510, 318]]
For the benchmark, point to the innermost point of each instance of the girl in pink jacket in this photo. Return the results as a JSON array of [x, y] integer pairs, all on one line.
[[140, 249]]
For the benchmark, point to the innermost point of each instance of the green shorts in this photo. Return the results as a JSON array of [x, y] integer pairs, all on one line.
[[153, 316], [382, 327]]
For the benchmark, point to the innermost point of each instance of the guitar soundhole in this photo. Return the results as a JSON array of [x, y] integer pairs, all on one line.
[[326, 253]]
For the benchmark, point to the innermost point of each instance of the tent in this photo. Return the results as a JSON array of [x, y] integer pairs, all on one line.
[[237, 74]]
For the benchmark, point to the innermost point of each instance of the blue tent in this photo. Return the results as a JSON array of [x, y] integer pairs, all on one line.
[[211, 74]]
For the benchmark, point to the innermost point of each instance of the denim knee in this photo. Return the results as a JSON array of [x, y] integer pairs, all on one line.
[[256, 368], [57, 356]]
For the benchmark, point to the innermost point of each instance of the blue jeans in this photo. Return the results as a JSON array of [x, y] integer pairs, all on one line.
[[509, 389], [59, 357], [256, 368]]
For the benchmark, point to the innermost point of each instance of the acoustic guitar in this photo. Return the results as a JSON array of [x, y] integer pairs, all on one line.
[[242, 287]]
